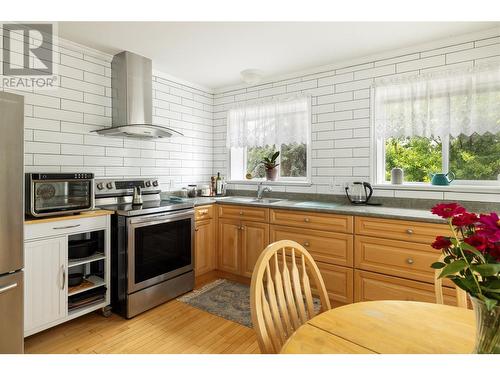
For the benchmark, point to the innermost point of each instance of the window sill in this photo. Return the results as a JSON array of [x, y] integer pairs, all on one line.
[[270, 183], [486, 189]]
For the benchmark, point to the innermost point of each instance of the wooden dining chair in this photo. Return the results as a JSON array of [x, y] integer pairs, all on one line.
[[280, 294], [461, 295]]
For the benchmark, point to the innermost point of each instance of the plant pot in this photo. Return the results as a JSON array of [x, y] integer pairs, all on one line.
[[271, 174], [488, 328]]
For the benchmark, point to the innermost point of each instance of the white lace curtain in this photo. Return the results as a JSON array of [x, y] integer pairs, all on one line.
[[272, 123], [450, 103]]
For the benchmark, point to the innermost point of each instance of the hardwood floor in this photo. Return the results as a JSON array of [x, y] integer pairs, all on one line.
[[173, 327]]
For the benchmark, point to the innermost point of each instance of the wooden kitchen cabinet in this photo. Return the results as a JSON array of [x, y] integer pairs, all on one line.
[[45, 284], [240, 241], [254, 239], [204, 253], [327, 247], [370, 286], [338, 283], [229, 235]]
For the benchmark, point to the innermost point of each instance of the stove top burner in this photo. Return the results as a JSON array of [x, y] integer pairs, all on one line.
[[116, 195], [148, 207]]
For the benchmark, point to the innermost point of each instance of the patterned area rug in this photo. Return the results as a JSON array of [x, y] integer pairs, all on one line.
[[226, 299], [223, 298]]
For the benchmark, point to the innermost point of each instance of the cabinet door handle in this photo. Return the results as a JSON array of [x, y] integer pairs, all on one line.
[[242, 227], [67, 226], [7, 288], [306, 243], [241, 212], [196, 229], [306, 219], [409, 231], [63, 277], [410, 261]]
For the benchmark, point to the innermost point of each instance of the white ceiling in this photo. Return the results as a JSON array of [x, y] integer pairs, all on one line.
[[212, 54]]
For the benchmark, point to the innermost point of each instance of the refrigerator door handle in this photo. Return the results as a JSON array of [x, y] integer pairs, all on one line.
[[7, 288]]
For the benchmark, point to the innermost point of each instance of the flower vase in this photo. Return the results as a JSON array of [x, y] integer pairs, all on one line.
[[488, 328], [271, 174]]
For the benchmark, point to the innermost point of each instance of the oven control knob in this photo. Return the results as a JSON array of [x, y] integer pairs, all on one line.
[[109, 185], [100, 186], [148, 183], [155, 183]]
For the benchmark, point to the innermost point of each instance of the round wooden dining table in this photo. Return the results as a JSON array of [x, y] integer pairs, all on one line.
[[386, 327]]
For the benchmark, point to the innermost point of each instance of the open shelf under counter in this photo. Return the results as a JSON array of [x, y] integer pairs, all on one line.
[[78, 311], [95, 281], [93, 258]]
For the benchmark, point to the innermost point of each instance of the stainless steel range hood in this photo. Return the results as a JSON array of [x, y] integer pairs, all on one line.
[[132, 90]]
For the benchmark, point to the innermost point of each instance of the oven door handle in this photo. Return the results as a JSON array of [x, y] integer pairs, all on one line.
[[161, 218]]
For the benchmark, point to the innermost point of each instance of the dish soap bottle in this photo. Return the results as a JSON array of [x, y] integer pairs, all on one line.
[[218, 184]]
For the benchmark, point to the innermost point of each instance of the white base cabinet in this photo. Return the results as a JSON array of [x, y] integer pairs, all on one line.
[[45, 287], [47, 266]]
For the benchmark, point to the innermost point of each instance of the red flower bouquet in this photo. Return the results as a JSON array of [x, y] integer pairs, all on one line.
[[471, 253]]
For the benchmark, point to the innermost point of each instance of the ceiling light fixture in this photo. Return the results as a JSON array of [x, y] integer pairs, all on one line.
[[251, 76]]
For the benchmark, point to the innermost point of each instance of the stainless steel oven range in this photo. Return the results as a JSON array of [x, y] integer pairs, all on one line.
[[152, 244]]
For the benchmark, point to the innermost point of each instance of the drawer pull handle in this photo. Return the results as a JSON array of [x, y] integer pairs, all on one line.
[[306, 219], [196, 229], [241, 212], [67, 226], [409, 231], [7, 288], [203, 212], [410, 261], [306, 243], [242, 227]]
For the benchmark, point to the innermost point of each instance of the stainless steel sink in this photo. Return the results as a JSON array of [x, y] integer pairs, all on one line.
[[267, 200], [253, 200]]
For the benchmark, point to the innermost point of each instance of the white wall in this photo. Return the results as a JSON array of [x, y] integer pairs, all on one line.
[[58, 125], [341, 110]]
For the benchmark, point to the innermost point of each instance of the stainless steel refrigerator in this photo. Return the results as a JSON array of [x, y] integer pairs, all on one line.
[[11, 222]]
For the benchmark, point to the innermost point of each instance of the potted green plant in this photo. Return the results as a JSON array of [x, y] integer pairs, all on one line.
[[270, 165], [472, 261]]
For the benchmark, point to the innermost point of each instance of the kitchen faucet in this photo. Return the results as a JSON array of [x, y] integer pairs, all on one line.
[[261, 190]]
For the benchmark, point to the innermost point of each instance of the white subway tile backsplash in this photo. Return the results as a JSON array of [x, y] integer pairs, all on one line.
[[57, 137], [473, 53], [42, 148], [59, 122], [59, 160], [82, 150], [71, 105], [428, 62], [56, 114], [41, 124]]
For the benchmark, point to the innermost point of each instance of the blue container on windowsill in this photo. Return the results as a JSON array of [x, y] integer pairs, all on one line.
[[442, 179]]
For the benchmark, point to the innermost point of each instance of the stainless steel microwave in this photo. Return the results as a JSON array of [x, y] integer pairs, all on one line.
[[50, 194]]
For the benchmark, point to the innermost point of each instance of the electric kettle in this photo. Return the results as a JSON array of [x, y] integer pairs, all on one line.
[[359, 192]]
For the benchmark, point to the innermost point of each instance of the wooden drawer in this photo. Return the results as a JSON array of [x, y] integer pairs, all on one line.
[[204, 212], [313, 220], [327, 247], [397, 258], [63, 227], [244, 213], [338, 282], [370, 286], [405, 230]]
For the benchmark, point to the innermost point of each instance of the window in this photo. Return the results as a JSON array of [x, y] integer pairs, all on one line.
[[446, 122], [259, 130]]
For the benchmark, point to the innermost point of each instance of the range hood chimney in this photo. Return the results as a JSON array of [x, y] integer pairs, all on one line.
[[132, 90]]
